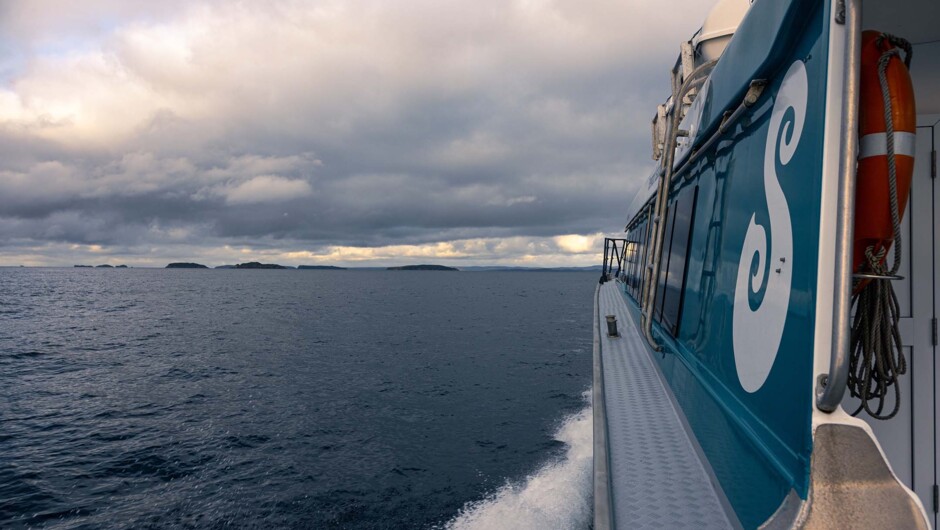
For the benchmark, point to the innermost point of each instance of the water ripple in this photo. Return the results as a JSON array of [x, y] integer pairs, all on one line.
[[280, 399]]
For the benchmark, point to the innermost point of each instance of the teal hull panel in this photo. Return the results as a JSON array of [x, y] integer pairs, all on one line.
[[758, 442]]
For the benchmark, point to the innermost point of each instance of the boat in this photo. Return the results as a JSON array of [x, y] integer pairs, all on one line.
[[765, 327]]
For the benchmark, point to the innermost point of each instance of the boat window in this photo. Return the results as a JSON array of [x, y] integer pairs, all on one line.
[[635, 280], [638, 266], [664, 261], [627, 259], [641, 270], [631, 269], [630, 259], [674, 262]]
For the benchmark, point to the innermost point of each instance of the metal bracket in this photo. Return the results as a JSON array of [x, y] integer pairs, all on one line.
[[725, 117], [754, 91], [687, 52], [821, 383]]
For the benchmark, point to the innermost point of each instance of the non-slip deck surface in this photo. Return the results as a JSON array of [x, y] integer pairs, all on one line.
[[656, 477]]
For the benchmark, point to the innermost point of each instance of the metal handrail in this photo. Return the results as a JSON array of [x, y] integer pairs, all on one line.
[[613, 252], [695, 79], [831, 386]]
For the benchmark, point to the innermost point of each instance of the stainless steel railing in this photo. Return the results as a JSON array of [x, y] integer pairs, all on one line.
[[831, 386]]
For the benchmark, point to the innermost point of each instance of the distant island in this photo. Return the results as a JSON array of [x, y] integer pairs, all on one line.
[[186, 265], [422, 268], [256, 265], [503, 268]]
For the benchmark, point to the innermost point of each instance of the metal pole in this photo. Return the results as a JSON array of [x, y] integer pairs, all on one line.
[[695, 79], [831, 386]]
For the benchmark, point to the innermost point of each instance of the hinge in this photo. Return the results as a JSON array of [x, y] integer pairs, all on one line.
[[933, 164], [933, 334], [936, 498]]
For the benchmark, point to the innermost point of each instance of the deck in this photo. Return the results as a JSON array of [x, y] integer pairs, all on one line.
[[648, 472]]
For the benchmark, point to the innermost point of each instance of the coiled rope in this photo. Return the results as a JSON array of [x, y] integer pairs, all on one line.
[[877, 360]]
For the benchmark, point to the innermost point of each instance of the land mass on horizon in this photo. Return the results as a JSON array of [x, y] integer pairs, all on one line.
[[186, 265], [258, 265], [422, 268]]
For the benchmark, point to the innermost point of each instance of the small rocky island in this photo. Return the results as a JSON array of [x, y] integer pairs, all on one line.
[[320, 268], [256, 265], [186, 265], [423, 268]]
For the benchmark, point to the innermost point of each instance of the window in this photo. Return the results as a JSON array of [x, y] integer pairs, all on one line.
[[641, 270], [670, 219], [675, 258], [638, 235]]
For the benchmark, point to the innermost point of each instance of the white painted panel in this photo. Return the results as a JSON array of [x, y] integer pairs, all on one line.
[[902, 288], [906, 327], [923, 365], [908, 438]]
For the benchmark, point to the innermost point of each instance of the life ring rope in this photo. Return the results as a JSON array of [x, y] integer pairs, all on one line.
[[877, 360], [891, 153]]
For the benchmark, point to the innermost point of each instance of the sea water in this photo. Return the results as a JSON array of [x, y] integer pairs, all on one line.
[[134, 398]]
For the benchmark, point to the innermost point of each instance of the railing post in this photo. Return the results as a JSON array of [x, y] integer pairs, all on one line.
[[614, 249], [831, 386]]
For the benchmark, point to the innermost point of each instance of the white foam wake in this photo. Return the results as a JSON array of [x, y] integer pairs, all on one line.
[[558, 495]]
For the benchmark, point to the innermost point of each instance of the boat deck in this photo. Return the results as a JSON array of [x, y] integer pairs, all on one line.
[[655, 477]]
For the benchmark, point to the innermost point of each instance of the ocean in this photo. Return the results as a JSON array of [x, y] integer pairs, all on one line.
[[154, 398]]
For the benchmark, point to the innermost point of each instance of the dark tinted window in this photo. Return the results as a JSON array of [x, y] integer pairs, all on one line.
[[638, 236], [630, 258], [664, 261], [641, 273], [675, 257], [637, 264]]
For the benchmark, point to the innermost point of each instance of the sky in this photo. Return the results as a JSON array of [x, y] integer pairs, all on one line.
[[356, 132]]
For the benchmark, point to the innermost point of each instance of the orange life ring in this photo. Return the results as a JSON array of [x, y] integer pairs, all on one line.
[[873, 225]]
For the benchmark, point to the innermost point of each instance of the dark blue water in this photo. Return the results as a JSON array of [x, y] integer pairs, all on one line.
[[297, 399]]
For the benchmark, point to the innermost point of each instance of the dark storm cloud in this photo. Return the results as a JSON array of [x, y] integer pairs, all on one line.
[[297, 127]]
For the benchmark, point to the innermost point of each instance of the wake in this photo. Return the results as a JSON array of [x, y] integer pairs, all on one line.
[[558, 495]]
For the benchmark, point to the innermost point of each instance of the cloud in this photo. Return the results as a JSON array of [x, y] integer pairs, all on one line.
[[267, 188], [576, 244], [509, 251], [326, 124]]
